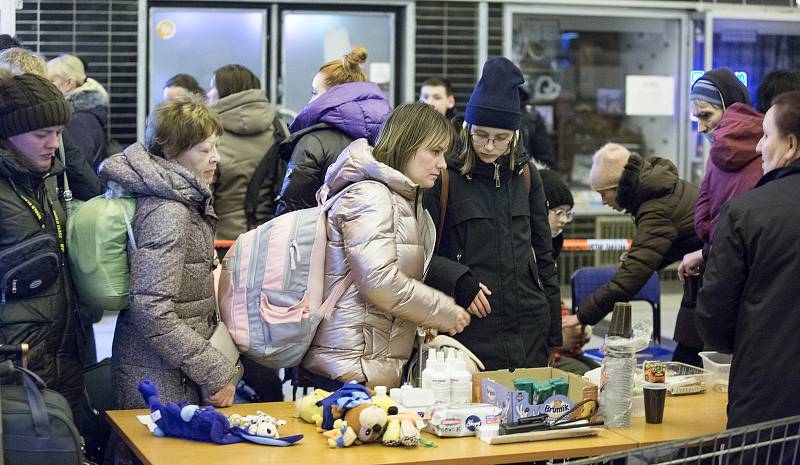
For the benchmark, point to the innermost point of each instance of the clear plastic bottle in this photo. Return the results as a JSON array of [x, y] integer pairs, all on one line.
[[615, 393]]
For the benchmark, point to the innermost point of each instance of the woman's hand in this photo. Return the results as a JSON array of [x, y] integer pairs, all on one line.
[[224, 397], [691, 265], [572, 332], [480, 304], [461, 322]]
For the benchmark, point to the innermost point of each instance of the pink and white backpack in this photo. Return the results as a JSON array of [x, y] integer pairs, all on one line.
[[272, 284]]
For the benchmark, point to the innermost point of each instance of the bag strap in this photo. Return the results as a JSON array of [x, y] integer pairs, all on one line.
[[443, 194], [63, 157], [526, 174], [265, 168], [129, 228], [32, 383]]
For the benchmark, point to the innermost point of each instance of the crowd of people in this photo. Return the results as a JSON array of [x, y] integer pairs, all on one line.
[[457, 230]]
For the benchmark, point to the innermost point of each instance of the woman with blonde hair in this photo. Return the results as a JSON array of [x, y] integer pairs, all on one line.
[[88, 101], [343, 107], [381, 236], [495, 232]]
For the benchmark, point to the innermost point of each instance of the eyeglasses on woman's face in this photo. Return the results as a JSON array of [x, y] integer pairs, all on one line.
[[482, 139]]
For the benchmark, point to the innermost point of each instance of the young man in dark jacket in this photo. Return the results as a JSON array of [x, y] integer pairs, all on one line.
[[38, 304], [662, 206]]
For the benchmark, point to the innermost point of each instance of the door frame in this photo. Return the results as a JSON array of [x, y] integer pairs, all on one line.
[[627, 11]]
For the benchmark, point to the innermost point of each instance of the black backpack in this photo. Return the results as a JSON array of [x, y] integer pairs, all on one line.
[[37, 425], [268, 175]]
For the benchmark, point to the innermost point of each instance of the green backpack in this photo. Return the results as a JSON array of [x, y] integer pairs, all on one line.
[[97, 239]]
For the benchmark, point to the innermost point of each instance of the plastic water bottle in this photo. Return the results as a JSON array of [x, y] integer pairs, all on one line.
[[615, 393]]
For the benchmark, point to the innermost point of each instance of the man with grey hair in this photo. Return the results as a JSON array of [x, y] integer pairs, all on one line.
[[662, 206]]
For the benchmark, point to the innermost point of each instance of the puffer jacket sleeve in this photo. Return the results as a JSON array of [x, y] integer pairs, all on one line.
[[654, 236], [304, 175], [156, 276], [723, 284], [365, 216], [542, 243], [702, 211]]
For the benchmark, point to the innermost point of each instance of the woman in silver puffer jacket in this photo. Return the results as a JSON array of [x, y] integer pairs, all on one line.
[[379, 232]]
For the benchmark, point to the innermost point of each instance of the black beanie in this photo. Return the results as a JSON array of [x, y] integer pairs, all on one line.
[[555, 190], [495, 101], [29, 102]]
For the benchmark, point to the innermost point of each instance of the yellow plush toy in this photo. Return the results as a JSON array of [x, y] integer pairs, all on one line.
[[307, 408]]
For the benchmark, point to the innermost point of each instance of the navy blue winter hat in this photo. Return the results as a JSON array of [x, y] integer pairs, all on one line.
[[495, 101]]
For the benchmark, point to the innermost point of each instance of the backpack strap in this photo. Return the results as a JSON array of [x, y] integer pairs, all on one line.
[[265, 169], [443, 194], [526, 173]]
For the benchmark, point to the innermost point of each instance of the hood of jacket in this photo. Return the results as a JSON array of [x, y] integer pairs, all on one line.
[[358, 109], [736, 137], [140, 173], [356, 163], [645, 179], [730, 88], [247, 112], [89, 95]]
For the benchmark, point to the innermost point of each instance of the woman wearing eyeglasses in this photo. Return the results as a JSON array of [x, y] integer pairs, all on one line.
[[496, 233]]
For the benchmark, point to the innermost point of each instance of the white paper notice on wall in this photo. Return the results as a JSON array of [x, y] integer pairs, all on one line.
[[649, 95], [380, 73], [336, 44]]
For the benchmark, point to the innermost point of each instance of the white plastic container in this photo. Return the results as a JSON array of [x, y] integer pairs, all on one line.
[[720, 367], [460, 382]]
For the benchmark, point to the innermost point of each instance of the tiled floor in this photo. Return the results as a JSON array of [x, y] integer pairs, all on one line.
[[670, 302]]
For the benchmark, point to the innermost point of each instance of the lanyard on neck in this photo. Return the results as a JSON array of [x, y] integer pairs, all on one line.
[[40, 217]]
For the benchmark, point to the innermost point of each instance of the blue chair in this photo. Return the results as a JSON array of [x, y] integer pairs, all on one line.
[[586, 280]]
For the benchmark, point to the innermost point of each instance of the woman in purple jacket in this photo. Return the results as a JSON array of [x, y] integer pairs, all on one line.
[[343, 107]]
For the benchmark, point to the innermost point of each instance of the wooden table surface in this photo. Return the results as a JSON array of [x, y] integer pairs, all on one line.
[[684, 417]]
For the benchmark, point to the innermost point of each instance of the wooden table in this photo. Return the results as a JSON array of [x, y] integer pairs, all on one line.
[[684, 417]]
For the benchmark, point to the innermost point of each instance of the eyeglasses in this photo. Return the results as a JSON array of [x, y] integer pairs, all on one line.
[[566, 215], [483, 140]]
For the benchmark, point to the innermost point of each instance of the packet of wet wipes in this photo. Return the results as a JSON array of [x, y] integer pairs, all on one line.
[[459, 420]]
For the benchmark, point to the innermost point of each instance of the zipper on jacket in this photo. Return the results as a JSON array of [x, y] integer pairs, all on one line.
[[496, 175]]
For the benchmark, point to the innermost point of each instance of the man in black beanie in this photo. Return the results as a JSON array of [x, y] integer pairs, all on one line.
[[38, 301], [496, 232]]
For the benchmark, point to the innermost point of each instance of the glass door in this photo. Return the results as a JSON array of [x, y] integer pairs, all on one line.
[[602, 75]]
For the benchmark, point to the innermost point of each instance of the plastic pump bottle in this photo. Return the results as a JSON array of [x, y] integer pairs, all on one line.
[[427, 373]]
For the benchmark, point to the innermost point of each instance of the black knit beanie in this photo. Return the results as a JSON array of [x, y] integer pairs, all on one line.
[[556, 191], [495, 101], [29, 102]]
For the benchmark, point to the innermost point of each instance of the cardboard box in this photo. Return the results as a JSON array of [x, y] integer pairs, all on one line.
[[497, 388]]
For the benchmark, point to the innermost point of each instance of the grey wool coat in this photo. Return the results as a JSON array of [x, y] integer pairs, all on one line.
[[163, 335]]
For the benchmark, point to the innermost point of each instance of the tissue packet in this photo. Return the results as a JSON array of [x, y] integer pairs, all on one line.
[[458, 420]]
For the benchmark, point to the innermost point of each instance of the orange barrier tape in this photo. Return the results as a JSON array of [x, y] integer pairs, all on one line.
[[597, 244], [223, 244]]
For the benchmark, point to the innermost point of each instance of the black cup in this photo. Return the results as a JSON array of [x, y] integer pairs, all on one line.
[[620, 320], [654, 396]]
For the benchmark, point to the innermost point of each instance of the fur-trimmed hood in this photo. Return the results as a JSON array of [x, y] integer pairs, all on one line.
[[645, 179], [88, 96]]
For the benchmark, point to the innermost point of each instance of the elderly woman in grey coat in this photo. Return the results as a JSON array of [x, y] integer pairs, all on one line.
[[380, 234], [163, 335]]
